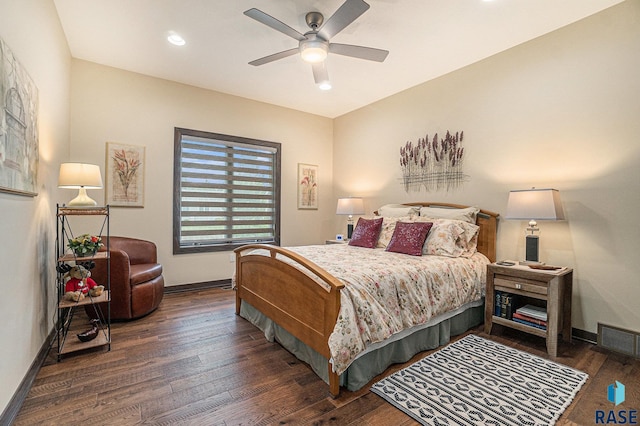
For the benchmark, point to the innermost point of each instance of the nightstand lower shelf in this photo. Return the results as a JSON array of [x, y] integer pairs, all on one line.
[[521, 327]]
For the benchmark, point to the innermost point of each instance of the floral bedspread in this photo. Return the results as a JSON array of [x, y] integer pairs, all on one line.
[[386, 292]]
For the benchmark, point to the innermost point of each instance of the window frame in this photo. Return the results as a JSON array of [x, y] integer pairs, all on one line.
[[177, 188]]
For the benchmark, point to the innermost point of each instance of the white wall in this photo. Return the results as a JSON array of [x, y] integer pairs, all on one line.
[[27, 225], [111, 105], [560, 111]]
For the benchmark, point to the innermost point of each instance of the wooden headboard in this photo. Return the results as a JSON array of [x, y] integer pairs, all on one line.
[[486, 220]]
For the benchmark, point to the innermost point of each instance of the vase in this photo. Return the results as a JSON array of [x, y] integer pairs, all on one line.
[[79, 253]]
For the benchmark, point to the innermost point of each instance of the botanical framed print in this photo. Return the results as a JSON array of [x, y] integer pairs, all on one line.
[[307, 186], [124, 183], [18, 127]]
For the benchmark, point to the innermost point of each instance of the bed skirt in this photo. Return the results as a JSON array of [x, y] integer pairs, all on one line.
[[369, 364]]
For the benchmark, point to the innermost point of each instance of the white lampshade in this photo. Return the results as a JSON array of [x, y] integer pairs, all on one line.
[[82, 177], [350, 206], [537, 204]]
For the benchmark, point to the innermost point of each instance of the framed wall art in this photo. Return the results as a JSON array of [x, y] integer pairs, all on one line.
[[307, 186], [124, 183], [18, 127]]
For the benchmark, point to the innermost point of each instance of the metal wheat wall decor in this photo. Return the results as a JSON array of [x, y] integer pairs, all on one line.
[[434, 164]]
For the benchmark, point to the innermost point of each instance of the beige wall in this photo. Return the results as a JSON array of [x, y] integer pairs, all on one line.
[[27, 225], [111, 105], [560, 111]]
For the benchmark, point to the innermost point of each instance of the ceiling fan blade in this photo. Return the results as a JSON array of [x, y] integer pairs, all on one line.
[[346, 14], [274, 57], [272, 22], [320, 74], [361, 52]]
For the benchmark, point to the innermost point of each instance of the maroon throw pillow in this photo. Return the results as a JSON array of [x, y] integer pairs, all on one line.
[[409, 237], [366, 233]]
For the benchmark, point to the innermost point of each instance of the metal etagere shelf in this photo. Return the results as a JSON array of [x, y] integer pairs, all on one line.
[[68, 322]]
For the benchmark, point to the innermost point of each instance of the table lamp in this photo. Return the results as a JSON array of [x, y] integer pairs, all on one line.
[[350, 206], [534, 204], [82, 177]]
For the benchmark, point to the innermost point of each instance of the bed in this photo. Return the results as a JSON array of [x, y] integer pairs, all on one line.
[[291, 295]]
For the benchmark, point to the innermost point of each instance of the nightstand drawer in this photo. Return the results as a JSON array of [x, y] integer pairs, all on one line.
[[521, 284]]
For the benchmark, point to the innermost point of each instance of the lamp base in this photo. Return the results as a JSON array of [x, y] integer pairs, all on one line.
[[349, 230], [82, 200], [531, 248]]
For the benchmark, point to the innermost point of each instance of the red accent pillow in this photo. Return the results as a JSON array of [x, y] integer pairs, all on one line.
[[409, 237], [366, 233]]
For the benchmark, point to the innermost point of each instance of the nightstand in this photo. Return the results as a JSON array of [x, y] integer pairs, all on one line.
[[336, 242], [550, 290]]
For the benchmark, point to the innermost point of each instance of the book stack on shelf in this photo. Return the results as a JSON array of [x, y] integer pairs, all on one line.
[[504, 305], [533, 316]]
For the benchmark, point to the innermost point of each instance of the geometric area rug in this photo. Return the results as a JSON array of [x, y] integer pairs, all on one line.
[[475, 381]]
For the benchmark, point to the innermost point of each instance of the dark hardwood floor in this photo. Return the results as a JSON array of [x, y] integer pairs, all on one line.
[[194, 362]]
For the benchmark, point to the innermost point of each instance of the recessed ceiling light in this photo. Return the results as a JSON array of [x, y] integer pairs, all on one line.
[[176, 39], [325, 85]]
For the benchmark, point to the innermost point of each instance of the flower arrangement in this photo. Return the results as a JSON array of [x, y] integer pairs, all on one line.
[[85, 244]]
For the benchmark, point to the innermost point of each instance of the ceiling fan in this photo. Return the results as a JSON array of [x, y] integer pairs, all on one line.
[[315, 45]]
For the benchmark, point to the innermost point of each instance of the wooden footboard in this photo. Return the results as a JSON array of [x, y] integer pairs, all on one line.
[[295, 293]]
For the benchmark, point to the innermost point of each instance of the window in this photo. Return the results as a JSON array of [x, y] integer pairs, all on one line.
[[226, 192]]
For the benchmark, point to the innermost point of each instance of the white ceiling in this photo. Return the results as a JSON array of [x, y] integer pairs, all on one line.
[[426, 39]]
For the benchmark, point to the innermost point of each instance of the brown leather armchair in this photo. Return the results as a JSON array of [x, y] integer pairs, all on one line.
[[137, 284]]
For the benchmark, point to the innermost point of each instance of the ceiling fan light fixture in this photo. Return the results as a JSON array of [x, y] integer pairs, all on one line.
[[314, 50]]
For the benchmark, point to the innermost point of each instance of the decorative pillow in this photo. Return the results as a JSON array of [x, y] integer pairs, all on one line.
[[471, 246], [442, 238], [467, 215], [452, 238], [398, 210], [409, 237], [366, 233], [388, 226]]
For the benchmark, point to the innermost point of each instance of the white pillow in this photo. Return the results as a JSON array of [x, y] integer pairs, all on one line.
[[398, 210], [467, 215]]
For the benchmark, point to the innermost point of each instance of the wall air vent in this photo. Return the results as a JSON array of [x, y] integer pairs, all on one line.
[[619, 340]]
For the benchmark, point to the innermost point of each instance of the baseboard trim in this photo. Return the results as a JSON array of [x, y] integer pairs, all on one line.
[[225, 284], [13, 408]]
